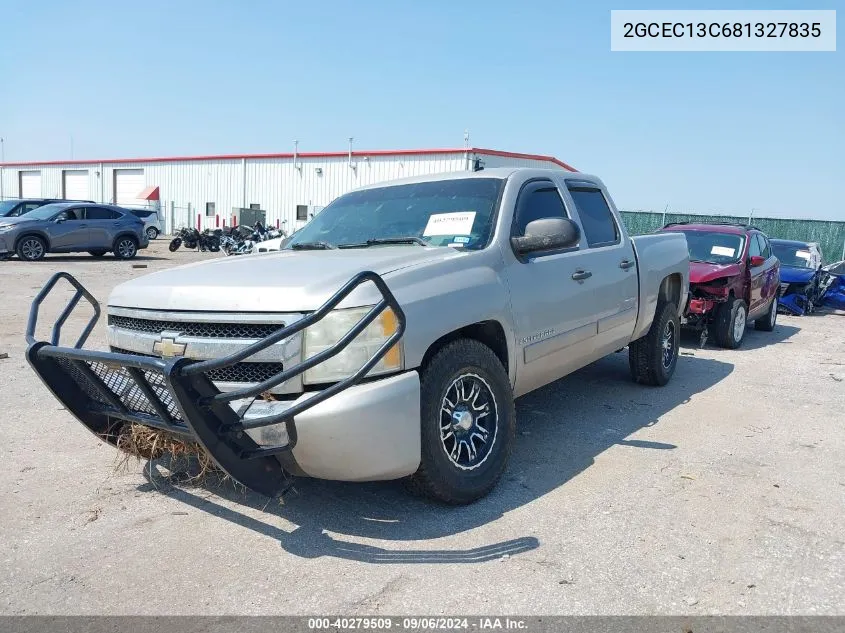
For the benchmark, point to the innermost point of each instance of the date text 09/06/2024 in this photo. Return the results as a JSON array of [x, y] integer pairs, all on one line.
[[417, 623]]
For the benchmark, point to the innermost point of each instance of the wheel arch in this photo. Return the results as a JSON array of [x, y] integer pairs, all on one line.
[[490, 333], [30, 233], [670, 289]]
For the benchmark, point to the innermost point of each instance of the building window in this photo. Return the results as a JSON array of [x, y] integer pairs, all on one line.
[[210, 209], [255, 205], [302, 212]]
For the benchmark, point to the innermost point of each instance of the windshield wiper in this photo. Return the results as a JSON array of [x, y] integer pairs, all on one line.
[[312, 246], [411, 239]]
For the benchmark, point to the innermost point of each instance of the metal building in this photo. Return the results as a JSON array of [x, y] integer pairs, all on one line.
[[209, 191]]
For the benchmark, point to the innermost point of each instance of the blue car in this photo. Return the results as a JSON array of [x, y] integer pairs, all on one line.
[[800, 274]]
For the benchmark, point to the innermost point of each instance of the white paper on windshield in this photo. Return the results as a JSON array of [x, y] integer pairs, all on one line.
[[458, 223], [803, 254], [723, 250]]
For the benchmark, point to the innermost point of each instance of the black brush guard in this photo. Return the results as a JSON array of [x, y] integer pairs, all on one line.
[[104, 390]]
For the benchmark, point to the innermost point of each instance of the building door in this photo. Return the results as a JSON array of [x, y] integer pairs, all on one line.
[[128, 185], [75, 184], [29, 184]]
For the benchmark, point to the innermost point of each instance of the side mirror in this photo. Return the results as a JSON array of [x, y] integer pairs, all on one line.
[[547, 234], [757, 260]]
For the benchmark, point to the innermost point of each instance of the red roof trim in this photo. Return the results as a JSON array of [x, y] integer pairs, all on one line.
[[376, 152]]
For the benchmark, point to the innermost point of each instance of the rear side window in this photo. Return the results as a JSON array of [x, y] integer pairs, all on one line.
[[101, 213], [537, 201], [596, 218], [765, 249]]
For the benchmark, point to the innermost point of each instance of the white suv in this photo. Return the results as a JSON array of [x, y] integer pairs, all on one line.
[[152, 221]]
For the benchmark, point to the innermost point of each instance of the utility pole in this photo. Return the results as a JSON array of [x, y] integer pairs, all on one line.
[[751, 215], [665, 209], [2, 150]]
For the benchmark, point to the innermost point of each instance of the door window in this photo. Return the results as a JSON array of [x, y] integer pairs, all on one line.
[[101, 213], [754, 246], [71, 214], [765, 249], [537, 200], [596, 218]]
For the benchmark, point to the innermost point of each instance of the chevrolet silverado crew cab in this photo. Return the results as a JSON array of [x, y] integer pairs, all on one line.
[[388, 338]]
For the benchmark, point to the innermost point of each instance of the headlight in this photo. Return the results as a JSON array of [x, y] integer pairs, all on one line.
[[331, 328], [6, 227]]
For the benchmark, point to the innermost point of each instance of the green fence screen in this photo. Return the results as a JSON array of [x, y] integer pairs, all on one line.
[[829, 234]]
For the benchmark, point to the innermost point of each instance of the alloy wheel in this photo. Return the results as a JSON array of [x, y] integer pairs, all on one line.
[[468, 421]]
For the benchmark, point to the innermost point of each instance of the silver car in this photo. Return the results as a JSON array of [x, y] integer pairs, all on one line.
[[73, 227], [151, 219]]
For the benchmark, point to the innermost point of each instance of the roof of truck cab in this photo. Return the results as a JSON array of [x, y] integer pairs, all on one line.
[[501, 173]]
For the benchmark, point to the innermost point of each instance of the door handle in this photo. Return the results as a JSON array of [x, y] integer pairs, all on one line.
[[581, 275], [625, 264]]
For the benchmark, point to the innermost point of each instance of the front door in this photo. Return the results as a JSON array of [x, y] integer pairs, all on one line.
[[69, 230], [764, 279], [555, 323]]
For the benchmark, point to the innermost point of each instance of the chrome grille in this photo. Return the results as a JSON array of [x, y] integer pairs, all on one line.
[[240, 372], [198, 329]]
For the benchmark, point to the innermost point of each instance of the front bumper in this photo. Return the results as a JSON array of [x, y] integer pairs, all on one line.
[[5, 246], [368, 431]]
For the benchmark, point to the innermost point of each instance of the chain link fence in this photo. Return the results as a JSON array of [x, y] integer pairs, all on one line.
[[829, 234]]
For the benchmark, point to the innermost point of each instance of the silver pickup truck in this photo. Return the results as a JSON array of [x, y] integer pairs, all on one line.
[[390, 336]]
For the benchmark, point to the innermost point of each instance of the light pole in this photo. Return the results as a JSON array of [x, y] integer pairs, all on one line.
[[2, 150]]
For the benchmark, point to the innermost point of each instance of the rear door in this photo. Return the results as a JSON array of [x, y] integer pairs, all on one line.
[[102, 226], [609, 257], [69, 231]]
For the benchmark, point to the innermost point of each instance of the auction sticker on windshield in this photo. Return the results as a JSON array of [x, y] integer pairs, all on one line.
[[723, 250], [458, 223]]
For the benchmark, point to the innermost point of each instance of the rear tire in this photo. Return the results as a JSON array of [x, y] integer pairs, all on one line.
[[152, 232], [731, 323], [125, 247], [652, 358], [31, 248], [468, 423], [768, 320]]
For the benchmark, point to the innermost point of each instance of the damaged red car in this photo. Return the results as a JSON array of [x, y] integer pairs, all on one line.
[[734, 279]]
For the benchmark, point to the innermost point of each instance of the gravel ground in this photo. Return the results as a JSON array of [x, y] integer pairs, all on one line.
[[720, 493]]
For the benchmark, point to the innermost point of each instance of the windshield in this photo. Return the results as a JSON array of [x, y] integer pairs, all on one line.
[[714, 248], [6, 206], [792, 254], [46, 212], [458, 213]]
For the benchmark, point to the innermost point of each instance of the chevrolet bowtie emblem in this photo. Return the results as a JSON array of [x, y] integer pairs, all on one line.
[[169, 347]]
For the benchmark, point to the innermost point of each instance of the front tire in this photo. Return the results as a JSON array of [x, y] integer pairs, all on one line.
[[766, 323], [468, 423], [31, 248], [731, 323], [175, 243], [652, 358], [125, 248]]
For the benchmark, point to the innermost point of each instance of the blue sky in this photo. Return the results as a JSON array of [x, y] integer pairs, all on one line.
[[705, 132]]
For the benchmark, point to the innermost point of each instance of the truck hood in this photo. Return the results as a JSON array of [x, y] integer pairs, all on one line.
[[795, 275], [284, 281], [702, 272]]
